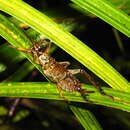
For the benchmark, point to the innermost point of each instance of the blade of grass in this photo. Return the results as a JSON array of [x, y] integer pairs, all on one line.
[[78, 8], [107, 12], [66, 41], [86, 118], [45, 90]]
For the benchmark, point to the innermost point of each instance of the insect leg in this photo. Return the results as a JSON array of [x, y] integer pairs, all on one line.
[[78, 85], [41, 42], [83, 94], [21, 49], [48, 47], [37, 44], [74, 71], [91, 79], [59, 90], [65, 64], [29, 51]]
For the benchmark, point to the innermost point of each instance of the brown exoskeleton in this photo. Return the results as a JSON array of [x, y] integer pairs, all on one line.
[[57, 72]]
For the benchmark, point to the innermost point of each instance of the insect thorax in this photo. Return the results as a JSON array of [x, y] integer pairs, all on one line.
[[44, 59]]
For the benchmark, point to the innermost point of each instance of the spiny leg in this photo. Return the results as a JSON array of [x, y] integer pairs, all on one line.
[[77, 71], [83, 94], [65, 64], [59, 90], [74, 71], [79, 88], [91, 79]]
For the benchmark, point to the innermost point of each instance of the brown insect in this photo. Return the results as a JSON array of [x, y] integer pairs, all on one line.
[[57, 72]]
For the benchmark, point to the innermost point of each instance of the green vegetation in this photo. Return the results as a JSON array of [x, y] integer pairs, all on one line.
[[43, 25]]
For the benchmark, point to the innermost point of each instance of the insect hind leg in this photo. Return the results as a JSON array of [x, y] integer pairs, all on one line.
[[65, 64], [59, 90], [83, 94], [91, 79]]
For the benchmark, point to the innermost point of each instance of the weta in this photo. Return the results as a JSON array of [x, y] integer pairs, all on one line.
[[57, 72]]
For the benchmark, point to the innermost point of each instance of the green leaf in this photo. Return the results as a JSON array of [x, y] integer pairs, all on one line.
[[107, 12], [45, 90], [86, 118], [122, 4], [62, 38]]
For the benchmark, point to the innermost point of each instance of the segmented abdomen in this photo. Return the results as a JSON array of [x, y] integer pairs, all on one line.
[[69, 83], [54, 71]]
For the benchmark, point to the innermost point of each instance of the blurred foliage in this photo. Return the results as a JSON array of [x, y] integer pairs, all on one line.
[[2, 67], [121, 4]]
